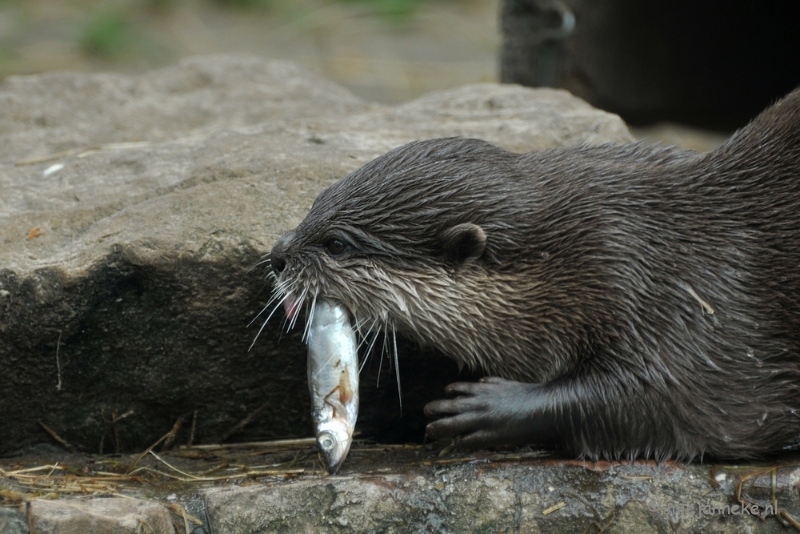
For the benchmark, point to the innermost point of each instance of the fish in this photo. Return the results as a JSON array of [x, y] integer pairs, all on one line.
[[332, 380]]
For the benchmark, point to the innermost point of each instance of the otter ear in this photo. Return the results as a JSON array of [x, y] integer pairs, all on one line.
[[463, 242]]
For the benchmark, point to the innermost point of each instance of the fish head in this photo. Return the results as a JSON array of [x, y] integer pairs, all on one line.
[[334, 437]]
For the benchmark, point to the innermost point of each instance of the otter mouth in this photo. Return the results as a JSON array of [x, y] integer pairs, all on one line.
[[292, 305]]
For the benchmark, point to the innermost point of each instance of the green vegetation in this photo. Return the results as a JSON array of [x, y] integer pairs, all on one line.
[[136, 32], [389, 10], [243, 3], [109, 34], [160, 5], [396, 11]]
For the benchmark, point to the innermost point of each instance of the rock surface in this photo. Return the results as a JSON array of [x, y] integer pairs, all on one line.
[[551, 497], [405, 489], [134, 209], [99, 516], [12, 521]]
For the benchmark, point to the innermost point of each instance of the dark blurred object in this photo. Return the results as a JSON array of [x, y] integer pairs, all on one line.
[[712, 63]]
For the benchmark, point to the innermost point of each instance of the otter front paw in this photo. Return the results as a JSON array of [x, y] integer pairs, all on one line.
[[491, 413]]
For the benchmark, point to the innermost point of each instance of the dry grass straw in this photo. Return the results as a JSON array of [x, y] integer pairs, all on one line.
[[245, 472], [40, 482], [54, 480], [785, 518], [180, 511]]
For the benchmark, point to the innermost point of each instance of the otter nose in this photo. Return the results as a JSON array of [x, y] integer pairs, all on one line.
[[278, 264], [279, 253]]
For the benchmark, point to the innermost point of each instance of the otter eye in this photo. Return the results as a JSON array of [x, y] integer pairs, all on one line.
[[335, 247]]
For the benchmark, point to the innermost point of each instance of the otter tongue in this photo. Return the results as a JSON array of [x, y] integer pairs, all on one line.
[[291, 305]]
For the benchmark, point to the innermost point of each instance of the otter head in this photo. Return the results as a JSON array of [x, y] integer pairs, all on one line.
[[416, 241]]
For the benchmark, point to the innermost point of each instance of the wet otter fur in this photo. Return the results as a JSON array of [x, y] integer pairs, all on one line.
[[627, 300]]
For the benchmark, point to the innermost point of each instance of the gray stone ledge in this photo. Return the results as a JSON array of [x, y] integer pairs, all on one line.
[[550, 496], [134, 208], [399, 489]]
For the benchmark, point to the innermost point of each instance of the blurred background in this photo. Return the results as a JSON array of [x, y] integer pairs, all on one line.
[[383, 50], [682, 72]]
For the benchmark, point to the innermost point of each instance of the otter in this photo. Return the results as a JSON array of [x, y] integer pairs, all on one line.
[[625, 300]]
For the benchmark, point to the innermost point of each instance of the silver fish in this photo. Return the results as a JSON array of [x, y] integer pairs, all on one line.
[[333, 380]]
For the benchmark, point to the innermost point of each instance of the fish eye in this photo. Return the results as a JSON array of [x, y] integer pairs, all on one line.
[[335, 246], [326, 442]]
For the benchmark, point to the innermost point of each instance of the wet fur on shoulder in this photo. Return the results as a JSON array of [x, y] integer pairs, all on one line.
[[653, 293]]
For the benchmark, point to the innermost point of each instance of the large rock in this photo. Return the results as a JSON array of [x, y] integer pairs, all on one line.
[[134, 209], [114, 515], [407, 489], [12, 521], [532, 498]]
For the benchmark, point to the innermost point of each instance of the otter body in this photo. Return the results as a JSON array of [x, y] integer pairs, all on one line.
[[626, 300]]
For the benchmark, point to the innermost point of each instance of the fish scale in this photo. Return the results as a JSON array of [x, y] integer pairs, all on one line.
[[333, 380]]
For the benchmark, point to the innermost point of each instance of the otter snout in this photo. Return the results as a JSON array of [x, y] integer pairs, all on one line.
[[280, 252]]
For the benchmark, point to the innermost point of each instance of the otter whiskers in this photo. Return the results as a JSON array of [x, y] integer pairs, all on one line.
[[301, 301], [310, 318], [280, 293]]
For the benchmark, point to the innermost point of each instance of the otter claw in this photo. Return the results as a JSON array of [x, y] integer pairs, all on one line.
[[492, 412]]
